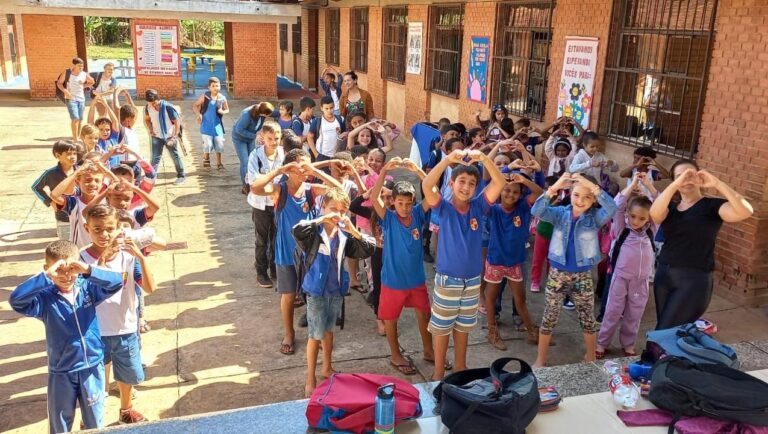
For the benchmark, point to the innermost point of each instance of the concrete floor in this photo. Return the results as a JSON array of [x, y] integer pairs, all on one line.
[[216, 334]]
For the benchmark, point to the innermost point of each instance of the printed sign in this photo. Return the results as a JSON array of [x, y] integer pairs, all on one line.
[[479, 50], [578, 79], [156, 49], [414, 49]]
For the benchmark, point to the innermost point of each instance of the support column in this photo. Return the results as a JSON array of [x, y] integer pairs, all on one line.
[[169, 87], [50, 46], [254, 48], [309, 57], [80, 41]]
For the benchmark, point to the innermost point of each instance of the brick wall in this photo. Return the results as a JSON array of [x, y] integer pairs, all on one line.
[[169, 87], [417, 100], [50, 44], [479, 20], [376, 86], [254, 60], [733, 144]]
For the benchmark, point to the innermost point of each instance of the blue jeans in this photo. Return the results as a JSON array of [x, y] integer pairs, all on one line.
[[243, 150], [76, 109], [157, 154]]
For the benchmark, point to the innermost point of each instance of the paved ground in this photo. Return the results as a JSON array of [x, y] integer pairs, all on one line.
[[215, 338]]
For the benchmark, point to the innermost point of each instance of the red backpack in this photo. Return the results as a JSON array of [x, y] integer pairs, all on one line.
[[345, 402]]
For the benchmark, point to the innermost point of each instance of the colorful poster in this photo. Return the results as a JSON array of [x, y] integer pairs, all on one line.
[[479, 50], [156, 49], [413, 66], [577, 81]]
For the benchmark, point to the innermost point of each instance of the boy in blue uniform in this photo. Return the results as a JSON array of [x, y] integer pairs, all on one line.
[[459, 258], [64, 298], [326, 242]]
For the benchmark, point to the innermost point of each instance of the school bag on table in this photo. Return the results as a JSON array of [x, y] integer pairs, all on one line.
[[687, 341], [346, 402]]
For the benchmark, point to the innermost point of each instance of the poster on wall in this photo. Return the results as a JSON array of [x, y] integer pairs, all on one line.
[[156, 49], [577, 81], [414, 49], [479, 50]]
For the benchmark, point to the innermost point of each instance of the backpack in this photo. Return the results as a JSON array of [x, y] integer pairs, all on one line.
[[346, 402], [620, 242], [59, 94], [687, 341], [172, 114], [686, 388], [96, 81]]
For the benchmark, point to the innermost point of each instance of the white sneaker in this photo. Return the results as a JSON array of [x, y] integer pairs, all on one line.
[[180, 180]]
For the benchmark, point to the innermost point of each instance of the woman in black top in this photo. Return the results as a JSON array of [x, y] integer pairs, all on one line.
[[683, 281]]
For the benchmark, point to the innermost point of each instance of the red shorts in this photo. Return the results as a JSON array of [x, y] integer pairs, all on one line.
[[497, 273], [392, 301]]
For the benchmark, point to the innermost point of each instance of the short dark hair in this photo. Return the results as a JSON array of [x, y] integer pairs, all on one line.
[[151, 95], [462, 169], [450, 127], [683, 162], [77, 61], [525, 122], [326, 100], [508, 125], [403, 188], [290, 141], [450, 142], [352, 75], [589, 137], [443, 121], [295, 155], [359, 151], [123, 216], [212, 80], [645, 151], [102, 121], [127, 111], [474, 132], [331, 75], [100, 211], [123, 169], [61, 249], [357, 114], [564, 142], [461, 127], [288, 106], [63, 146], [641, 201], [306, 103]]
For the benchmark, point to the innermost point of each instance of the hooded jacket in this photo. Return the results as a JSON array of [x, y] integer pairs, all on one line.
[[636, 256]]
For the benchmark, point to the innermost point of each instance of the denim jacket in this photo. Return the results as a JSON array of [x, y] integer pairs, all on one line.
[[586, 229], [246, 127]]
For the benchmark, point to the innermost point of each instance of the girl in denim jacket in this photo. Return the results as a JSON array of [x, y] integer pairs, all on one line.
[[573, 250]]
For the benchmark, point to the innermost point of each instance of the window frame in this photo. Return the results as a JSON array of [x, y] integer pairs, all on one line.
[[359, 32], [531, 107], [296, 36], [332, 36], [435, 54], [394, 73], [666, 118], [283, 36]]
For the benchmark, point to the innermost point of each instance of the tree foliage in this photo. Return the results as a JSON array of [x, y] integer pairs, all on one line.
[[110, 31]]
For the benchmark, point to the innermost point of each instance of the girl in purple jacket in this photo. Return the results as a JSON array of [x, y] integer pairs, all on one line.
[[632, 263]]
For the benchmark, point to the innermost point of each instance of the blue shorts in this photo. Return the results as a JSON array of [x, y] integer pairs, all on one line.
[[123, 352], [321, 315], [76, 109]]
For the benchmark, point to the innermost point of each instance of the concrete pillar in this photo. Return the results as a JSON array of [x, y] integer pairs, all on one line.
[[228, 50], [80, 41], [254, 60], [50, 47], [309, 55], [169, 87], [6, 66]]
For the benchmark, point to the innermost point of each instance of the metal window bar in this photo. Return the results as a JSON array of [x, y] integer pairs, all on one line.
[[284, 37], [521, 59], [332, 36], [296, 35], [395, 22], [446, 31], [656, 73], [358, 39]]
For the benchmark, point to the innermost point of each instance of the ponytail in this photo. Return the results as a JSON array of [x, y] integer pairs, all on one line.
[[262, 109]]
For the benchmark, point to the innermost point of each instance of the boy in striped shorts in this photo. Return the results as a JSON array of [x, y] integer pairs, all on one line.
[[459, 258]]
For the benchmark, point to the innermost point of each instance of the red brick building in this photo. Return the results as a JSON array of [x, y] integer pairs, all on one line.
[[701, 60]]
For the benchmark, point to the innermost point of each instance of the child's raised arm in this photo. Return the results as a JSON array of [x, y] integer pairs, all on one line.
[[66, 187], [378, 204], [147, 279], [322, 176], [532, 186], [385, 134], [607, 205], [152, 205], [263, 185], [493, 190], [429, 185]]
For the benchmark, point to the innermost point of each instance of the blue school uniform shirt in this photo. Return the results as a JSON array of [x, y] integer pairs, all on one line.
[[211, 124], [294, 211], [332, 284], [570, 255], [403, 256], [461, 238], [106, 145], [508, 234]]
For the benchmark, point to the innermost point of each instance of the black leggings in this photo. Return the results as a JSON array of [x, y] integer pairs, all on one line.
[[377, 263], [682, 295]]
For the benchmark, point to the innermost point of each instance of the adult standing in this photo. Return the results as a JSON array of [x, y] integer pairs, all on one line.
[[330, 81], [163, 123], [244, 135], [355, 99], [683, 281], [104, 85], [72, 83]]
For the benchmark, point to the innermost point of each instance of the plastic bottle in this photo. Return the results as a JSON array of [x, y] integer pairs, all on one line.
[[385, 409], [625, 393]]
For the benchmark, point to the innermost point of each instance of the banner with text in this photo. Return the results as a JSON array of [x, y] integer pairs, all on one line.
[[577, 81], [156, 49], [477, 75]]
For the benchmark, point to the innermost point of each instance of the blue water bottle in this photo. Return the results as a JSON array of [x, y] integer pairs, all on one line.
[[385, 409]]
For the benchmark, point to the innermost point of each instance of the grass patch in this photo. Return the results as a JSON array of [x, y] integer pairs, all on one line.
[[125, 51]]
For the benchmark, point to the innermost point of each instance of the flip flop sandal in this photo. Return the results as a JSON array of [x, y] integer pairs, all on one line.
[[332, 373], [220, 167], [448, 366], [298, 302], [628, 354], [287, 349], [599, 355], [206, 164], [359, 288], [405, 369]]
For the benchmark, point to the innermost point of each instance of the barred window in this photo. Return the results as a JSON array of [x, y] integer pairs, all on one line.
[[521, 61], [655, 74], [394, 43], [332, 31], [358, 39], [284, 37], [296, 35], [446, 31]]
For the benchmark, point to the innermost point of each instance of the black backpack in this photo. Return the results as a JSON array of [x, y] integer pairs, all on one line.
[[712, 390], [59, 94]]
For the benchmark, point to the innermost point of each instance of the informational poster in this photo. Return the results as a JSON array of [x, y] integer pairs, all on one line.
[[156, 49], [477, 76], [577, 81], [414, 48]]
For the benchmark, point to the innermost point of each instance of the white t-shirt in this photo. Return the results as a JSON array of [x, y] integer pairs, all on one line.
[[117, 315], [255, 171], [335, 98], [131, 141], [77, 233], [154, 117], [104, 86], [76, 86], [329, 136]]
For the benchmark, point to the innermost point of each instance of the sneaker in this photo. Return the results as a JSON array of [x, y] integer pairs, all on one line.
[[180, 180], [303, 320], [273, 273], [428, 257], [535, 287], [131, 416], [568, 305], [338, 322], [264, 280]]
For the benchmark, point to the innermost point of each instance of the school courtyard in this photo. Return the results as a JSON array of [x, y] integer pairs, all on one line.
[[215, 334]]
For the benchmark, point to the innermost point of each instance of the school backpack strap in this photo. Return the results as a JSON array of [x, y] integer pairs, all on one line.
[[206, 102], [617, 247], [649, 232], [96, 81], [59, 93]]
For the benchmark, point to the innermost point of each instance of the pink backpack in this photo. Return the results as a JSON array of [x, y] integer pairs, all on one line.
[[345, 402]]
